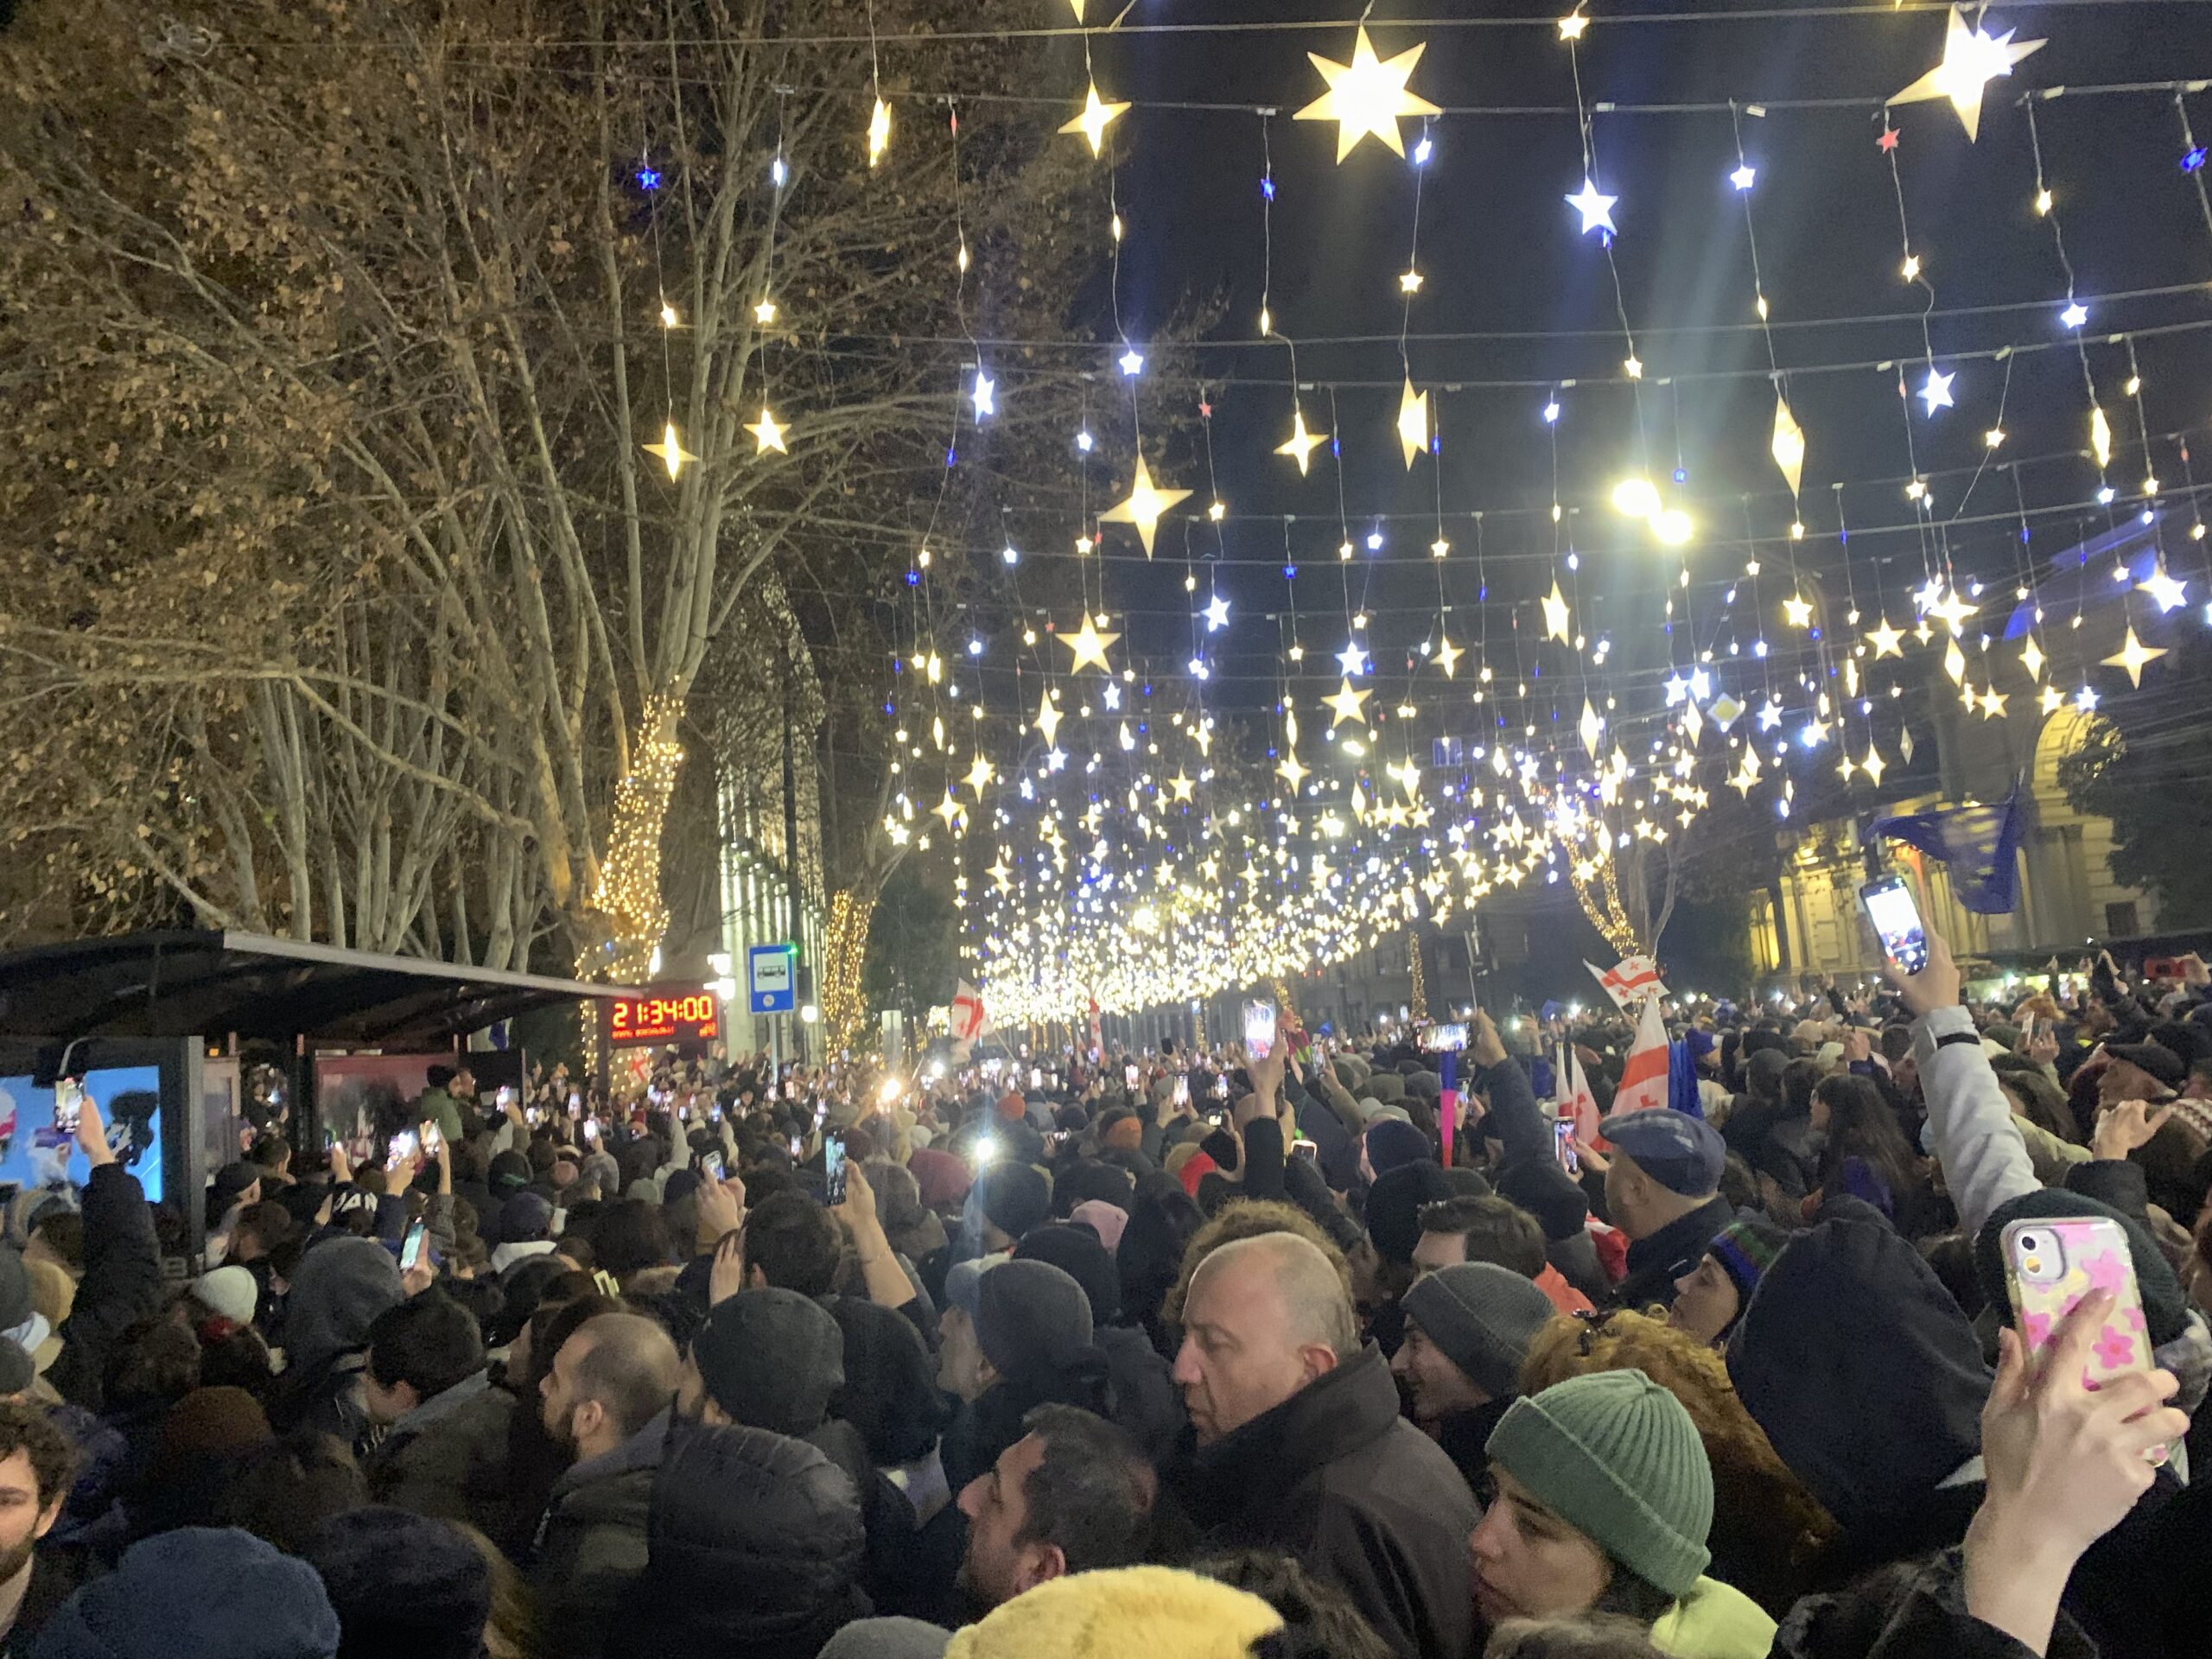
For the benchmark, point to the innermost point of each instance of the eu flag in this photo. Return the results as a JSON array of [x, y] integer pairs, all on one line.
[[1980, 843]]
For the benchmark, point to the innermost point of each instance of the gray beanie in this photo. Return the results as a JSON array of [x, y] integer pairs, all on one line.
[[771, 1359], [1483, 1316], [889, 1639], [1031, 1316]]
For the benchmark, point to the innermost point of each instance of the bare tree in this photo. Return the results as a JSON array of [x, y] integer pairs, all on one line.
[[346, 599]]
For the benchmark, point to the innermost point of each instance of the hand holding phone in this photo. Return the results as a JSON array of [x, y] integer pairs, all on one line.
[[410, 1249], [1259, 1029], [833, 1170], [1895, 921], [69, 1104], [2052, 1264]]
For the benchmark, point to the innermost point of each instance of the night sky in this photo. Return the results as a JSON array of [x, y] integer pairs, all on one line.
[[1513, 294]]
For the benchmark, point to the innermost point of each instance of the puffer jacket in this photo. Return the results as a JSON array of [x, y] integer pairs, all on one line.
[[755, 1546], [448, 1457], [591, 1545], [1714, 1621]]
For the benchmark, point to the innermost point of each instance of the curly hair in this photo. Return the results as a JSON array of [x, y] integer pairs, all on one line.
[[1767, 1529], [1250, 1218]]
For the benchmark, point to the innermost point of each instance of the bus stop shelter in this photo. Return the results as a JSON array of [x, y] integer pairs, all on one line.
[[154, 1003]]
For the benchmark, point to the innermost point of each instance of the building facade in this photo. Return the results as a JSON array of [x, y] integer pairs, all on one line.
[[765, 714]]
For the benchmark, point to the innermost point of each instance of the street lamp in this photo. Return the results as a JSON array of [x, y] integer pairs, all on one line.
[[809, 1014]]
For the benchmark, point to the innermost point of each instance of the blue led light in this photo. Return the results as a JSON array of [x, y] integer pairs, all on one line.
[[1267, 187], [2192, 159], [1290, 573], [647, 178], [1681, 475]]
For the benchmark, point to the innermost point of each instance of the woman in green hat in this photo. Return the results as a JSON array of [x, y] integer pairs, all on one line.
[[1602, 1501]]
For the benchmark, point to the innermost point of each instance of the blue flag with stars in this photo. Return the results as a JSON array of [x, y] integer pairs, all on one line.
[[1980, 843]]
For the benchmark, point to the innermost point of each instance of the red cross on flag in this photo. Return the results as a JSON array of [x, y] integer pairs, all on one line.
[[1635, 978], [967, 1021]]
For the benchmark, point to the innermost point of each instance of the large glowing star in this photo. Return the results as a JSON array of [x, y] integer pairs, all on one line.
[[2133, 655], [1413, 422], [1555, 613], [1448, 656], [1097, 116], [1345, 705], [1301, 443], [1595, 206], [1972, 59], [1048, 718], [671, 451], [979, 775], [1143, 509], [1290, 771], [1367, 95], [1886, 641], [767, 434], [1089, 645]]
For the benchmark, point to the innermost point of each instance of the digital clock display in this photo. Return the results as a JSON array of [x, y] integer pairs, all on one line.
[[673, 1016]]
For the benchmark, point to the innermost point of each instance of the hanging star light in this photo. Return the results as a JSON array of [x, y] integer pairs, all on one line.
[[2165, 589], [766, 433], [1992, 703], [2053, 699], [2099, 436], [764, 312], [1886, 641], [984, 395], [1448, 656], [1873, 766], [670, 450], [1301, 443], [1596, 208], [2133, 655], [1096, 117], [1954, 612], [1413, 424], [1935, 390], [1954, 663], [879, 131], [1367, 95], [1290, 771], [1555, 612], [1141, 509], [1971, 60], [1345, 705], [1799, 611], [1179, 785], [1745, 177], [950, 810], [1217, 613], [1788, 444], [2074, 315], [2032, 659], [1592, 727], [1352, 660], [1089, 644], [1770, 714], [1048, 718], [979, 775]]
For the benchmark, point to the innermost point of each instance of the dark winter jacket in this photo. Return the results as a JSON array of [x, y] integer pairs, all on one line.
[[121, 1283], [448, 1457], [1916, 1609], [591, 1544], [754, 1547], [1335, 1478], [57, 1572], [1657, 1259]]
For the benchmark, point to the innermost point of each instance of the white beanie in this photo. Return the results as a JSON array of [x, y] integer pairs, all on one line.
[[229, 1291]]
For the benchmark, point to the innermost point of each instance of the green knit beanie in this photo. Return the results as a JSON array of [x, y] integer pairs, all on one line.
[[1616, 1457]]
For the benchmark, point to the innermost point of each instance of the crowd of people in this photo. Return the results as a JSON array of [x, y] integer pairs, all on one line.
[[1213, 1353]]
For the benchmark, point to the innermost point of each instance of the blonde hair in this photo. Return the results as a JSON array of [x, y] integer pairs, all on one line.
[[1760, 1509], [511, 1632]]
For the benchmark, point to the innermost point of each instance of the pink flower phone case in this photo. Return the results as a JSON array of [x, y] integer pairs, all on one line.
[[2051, 1264]]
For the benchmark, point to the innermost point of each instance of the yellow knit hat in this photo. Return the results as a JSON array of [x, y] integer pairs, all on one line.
[[1154, 1610]]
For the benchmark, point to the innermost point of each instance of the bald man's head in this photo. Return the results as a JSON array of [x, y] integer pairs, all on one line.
[[1265, 1316]]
